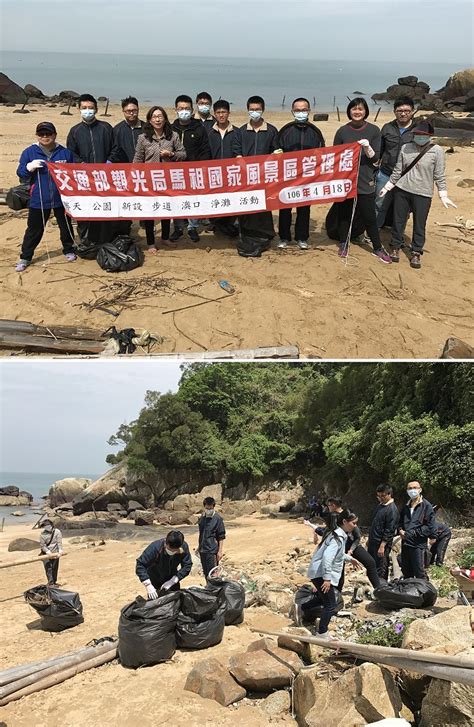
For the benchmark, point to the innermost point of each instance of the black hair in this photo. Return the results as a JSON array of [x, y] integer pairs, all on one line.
[[221, 104], [175, 539], [386, 489], [209, 501], [359, 101], [86, 97], [204, 94], [256, 99], [403, 101], [148, 129], [183, 99], [301, 98], [129, 99], [47, 522], [334, 520], [334, 501]]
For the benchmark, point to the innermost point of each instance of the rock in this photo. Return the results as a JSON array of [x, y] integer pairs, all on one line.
[[377, 694], [459, 84], [31, 90], [408, 81], [23, 544], [35, 101], [414, 92], [211, 680], [455, 348], [320, 117], [67, 95], [102, 98], [299, 647], [259, 671], [214, 491], [284, 656], [334, 705], [134, 505], [144, 517], [286, 504], [102, 492], [270, 509], [466, 183], [82, 524], [177, 518], [114, 507], [18, 513], [276, 704], [65, 507], [448, 632], [67, 489], [307, 688], [424, 86], [431, 102], [278, 599], [20, 501], [10, 91], [448, 703], [10, 491]]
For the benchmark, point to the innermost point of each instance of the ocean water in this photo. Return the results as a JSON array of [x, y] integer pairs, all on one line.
[[159, 79]]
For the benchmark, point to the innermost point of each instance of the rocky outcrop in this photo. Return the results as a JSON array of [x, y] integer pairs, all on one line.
[[34, 92], [10, 92], [110, 488], [21, 500], [67, 489], [211, 680], [448, 703], [459, 84], [457, 93], [448, 632]]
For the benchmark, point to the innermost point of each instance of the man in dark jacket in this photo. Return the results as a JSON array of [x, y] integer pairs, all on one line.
[[164, 564], [126, 132], [193, 135], [92, 142], [204, 105], [415, 527], [394, 134], [211, 536], [222, 135], [383, 529], [439, 543], [299, 134]]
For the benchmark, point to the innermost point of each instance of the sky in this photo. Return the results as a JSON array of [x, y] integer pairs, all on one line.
[[416, 30], [56, 416]]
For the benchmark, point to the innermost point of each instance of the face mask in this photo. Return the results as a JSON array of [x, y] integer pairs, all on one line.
[[184, 114], [255, 115], [169, 552], [421, 140], [88, 114], [413, 494], [301, 115], [204, 109], [48, 528], [209, 513]]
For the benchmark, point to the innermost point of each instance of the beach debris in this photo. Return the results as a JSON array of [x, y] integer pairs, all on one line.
[[225, 285]]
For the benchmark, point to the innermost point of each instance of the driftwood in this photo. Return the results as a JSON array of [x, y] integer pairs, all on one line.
[[43, 343], [18, 672], [437, 671], [72, 332], [51, 556]]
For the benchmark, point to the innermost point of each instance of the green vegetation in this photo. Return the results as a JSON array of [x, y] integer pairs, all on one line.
[[467, 558], [442, 579], [385, 635], [363, 423]]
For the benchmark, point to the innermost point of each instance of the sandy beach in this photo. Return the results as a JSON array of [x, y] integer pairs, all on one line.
[[311, 299]]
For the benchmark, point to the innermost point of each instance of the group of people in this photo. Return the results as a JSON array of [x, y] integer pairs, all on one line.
[[398, 165]]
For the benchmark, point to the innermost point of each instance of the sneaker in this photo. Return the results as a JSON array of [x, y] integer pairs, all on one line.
[[176, 234], [395, 254], [70, 257], [303, 245], [326, 636], [343, 249], [383, 256], [283, 244], [193, 234], [21, 265], [415, 261]]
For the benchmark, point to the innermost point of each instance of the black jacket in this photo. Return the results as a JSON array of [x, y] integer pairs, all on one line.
[[207, 123], [125, 141], [252, 143], [353, 539], [194, 139], [91, 143], [391, 144], [222, 147], [384, 524], [295, 137], [420, 526], [211, 531], [155, 564], [441, 530]]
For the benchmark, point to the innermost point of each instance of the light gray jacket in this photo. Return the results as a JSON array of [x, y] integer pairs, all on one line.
[[327, 561], [56, 538], [428, 171]]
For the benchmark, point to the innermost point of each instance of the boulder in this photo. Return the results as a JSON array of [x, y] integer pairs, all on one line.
[[23, 544], [177, 518], [466, 183], [134, 505], [186, 502], [20, 501], [33, 91], [65, 507], [307, 688], [214, 491], [276, 704], [431, 102], [459, 84], [377, 694], [414, 92], [10, 91], [93, 523], [114, 507], [259, 671], [67, 95], [144, 517], [107, 489], [28, 495], [277, 599], [334, 705], [67, 490], [455, 348], [284, 656], [211, 680], [448, 632], [286, 504], [10, 491], [18, 513], [408, 81], [270, 509], [448, 703], [299, 647]]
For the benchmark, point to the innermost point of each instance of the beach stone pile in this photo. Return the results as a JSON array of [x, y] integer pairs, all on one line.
[[12, 496], [12, 93], [457, 94]]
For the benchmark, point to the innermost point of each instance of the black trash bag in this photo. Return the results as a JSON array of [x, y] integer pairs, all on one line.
[[256, 232], [305, 594], [120, 255], [18, 198], [406, 593], [146, 630], [331, 224], [201, 620], [58, 609], [87, 250], [234, 597]]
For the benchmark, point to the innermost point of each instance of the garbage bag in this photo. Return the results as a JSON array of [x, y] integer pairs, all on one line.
[[305, 594], [406, 593], [331, 224], [120, 255], [87, 250], [146, 630], [58, 609], [234, 597], [201, 620], [256, 232], [18, 198]]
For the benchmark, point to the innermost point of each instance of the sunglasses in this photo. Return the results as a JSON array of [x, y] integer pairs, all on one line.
[[45, 133]]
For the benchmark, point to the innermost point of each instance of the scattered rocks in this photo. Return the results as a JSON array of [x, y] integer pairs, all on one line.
[[448, 703], [448, 632], [211, 680], [258, 671], [23, 544]]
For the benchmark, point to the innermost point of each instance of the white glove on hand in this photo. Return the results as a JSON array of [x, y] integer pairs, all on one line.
[[388, 187], [364, 142], [35, 164], [445, 201], [152, 593], [368, 151], [169, 583]]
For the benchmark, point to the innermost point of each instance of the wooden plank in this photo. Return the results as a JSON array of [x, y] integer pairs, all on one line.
[[44, 343], [39, 558], [74, 332]]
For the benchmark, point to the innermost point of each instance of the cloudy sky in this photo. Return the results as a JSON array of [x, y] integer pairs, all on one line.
[[56, 416], [391, 30]]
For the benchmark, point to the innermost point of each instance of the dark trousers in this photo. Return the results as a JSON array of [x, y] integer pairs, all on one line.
[[208, 562], [150, 231], [413, 562], [368, 562], [35, 230], [328, 600], [301, 224], [438, 549], [382, 563], [403, 204], [365, 211], [51, 567]]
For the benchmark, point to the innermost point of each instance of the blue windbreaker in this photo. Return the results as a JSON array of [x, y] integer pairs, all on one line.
[[40, 179]]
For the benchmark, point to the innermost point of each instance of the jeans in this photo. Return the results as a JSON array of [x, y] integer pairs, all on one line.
[[413, 562], [35, 229], [51, 567], [192, 223], [329, 601], [404, 203], [382, 204]]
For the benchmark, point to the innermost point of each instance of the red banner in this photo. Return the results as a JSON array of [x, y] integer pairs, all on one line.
[[208, 189]]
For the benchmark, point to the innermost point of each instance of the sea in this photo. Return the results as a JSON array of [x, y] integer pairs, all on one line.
[[159, 79]]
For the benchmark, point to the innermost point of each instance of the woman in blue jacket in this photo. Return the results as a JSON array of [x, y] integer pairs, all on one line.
[[44, 195]]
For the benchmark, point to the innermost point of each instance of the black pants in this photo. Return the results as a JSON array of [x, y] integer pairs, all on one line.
[[382, 563], [329, 601], [413, 562], [51, 567], [403, 204], [150, 231], [365, 211], [35, 230], [438, 549], [368, 562], [301, 224], [208, 562]]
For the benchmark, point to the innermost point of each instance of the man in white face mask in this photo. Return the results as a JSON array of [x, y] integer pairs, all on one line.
[[51, 543], [163, 564], [211, 536], [417, 524], [204, 106]]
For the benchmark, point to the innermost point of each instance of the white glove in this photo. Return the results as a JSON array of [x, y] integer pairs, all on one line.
[[35, 164], [311, 525], [368, 151], [364, 142], [445, 201], [169, 583], [151, 590], [388, 187]]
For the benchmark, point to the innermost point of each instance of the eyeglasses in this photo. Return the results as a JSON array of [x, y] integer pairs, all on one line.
[[130, 111], [45, 133], [403, 111], [157, 118]]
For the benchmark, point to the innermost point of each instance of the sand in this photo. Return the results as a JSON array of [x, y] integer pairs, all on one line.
[[310, 299]]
